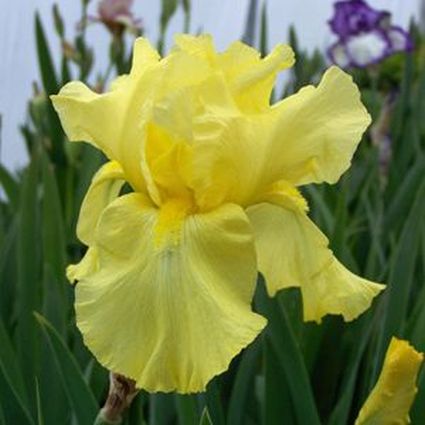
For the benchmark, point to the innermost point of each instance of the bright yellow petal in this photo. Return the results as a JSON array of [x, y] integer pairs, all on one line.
[[144, 55], [114, 121], [105, 187], [170, 305], [336, 290], [178, 125], [87, 265], [201, 46], [292, 252], [169, 163], [251, 77], [239, 59], [308, 137], [393, 395], [318, 130], [230, 160], [182, 69]]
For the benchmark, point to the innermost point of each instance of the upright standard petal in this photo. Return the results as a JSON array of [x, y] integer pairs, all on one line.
[[114, 121], [309, 137], [249, 76], [292, 252], [393, 395], [318, 130], [170, 304]]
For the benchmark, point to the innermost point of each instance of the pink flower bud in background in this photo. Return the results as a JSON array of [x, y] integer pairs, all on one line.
[[117, 16]]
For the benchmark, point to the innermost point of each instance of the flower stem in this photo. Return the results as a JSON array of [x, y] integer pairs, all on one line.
[[122, 391]]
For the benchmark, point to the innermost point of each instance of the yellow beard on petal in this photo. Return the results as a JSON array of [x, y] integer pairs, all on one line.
[[167, 231]]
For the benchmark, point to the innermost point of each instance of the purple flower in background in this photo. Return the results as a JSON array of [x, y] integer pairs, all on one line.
[[354, 17], [365, 35]]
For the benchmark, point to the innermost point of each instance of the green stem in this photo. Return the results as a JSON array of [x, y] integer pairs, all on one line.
[[101, 420]]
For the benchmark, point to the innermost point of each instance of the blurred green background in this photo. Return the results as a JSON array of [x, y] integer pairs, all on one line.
[[295, 373]]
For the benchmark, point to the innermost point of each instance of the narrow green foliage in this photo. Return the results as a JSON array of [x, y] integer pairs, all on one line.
[[187, 411], [47, 69], [402, 272], [250, 25], [206, 418], [51, 86], [40, 417], [54, 249], [290, 358], [243, 383], [361, 335], [187, 15], [168, 9], [403, 199], [10, 186], [8, 272], [80, 397], [277, 397], [263, 31], [28, 266], [12, 376], [214, 403]]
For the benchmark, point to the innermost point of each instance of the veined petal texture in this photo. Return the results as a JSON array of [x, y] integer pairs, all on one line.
[[293, 252], [170, 304]]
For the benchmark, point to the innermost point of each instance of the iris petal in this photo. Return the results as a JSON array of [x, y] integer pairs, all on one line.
[[309, 137], [87, 265], [170, 305], [250, 77], [319, 129], [292, 252], [112, 121], [104, 188], [393, 395]]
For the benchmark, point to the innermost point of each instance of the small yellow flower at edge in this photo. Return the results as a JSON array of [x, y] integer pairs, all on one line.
[[393, 395], [165, 289]]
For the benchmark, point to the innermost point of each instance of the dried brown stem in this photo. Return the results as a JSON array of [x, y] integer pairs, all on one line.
[[122, 391]]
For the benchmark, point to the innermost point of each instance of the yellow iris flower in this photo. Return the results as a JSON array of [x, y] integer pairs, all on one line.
[[166, 286], [392, 397]]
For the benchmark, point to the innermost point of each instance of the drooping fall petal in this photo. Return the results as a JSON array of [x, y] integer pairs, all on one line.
[[292, 252], [170, 304]]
